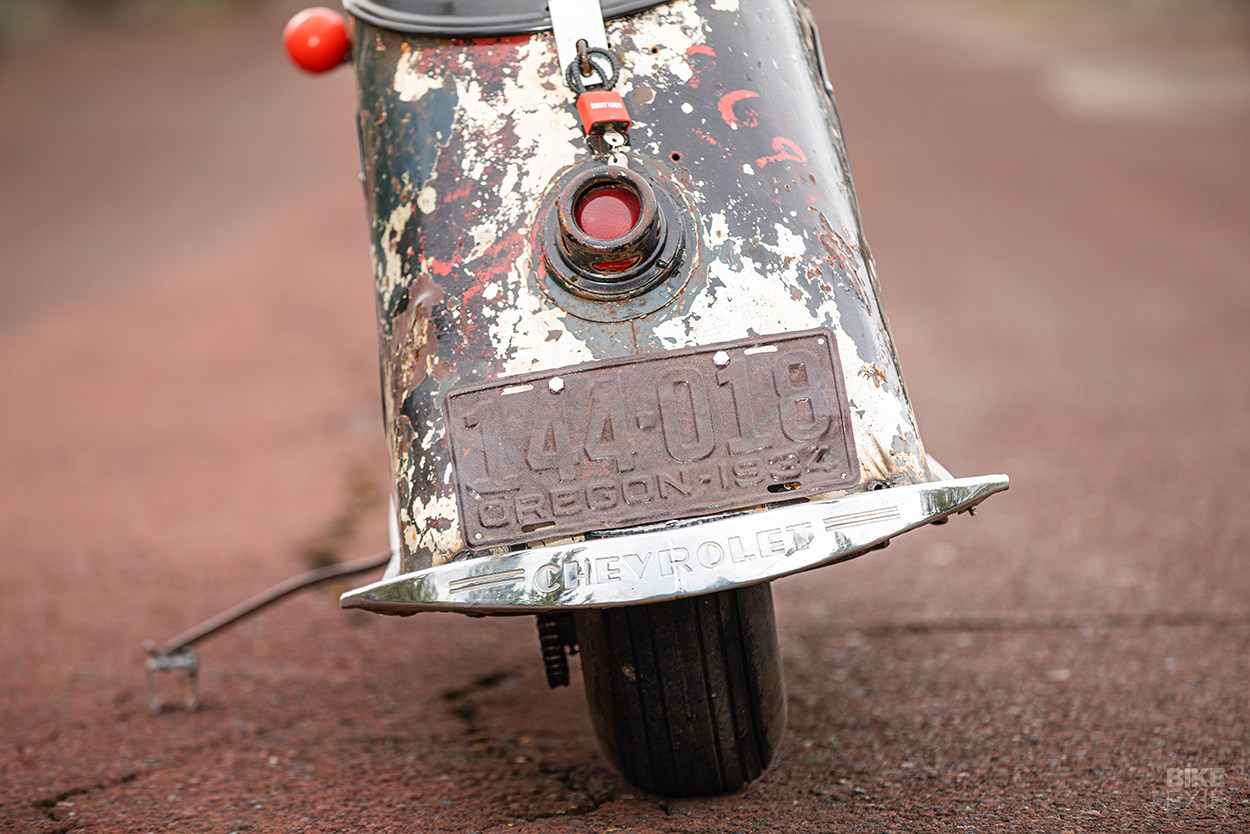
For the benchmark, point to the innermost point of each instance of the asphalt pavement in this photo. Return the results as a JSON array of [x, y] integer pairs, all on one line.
[[1061, 223]]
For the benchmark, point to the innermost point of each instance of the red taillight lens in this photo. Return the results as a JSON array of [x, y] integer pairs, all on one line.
[[607, 211]]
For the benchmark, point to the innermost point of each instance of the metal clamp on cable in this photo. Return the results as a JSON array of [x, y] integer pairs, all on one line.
[[183, 659], [175, 654]]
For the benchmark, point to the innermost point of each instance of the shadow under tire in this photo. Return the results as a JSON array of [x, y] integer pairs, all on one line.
[[687, 697]]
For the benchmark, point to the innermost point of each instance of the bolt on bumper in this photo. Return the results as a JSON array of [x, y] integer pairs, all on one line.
[[684, 558]]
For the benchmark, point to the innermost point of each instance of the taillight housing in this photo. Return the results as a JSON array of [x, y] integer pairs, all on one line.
[[609, 233]]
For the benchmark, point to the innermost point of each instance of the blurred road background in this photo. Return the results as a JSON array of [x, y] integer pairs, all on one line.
[[1058, 198]]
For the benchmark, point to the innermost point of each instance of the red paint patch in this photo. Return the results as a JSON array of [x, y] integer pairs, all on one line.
[[440, 268], [785, 150], [699, 64], [707, 138], [726, 108], [463, 189]]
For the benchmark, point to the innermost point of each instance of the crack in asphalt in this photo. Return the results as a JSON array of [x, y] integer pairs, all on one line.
[[593, 799], [48, 805], [586, 797], [105, 784], [326, 548], [460, 702]]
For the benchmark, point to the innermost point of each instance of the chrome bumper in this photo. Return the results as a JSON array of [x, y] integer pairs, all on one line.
[[675, 559]]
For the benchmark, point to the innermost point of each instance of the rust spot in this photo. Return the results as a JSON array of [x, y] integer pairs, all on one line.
[[835, 257], [874, 374], [416, 336], [841, 254], [425, 292]]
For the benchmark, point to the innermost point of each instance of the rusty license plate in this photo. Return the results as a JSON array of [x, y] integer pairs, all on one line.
[[630, 441]]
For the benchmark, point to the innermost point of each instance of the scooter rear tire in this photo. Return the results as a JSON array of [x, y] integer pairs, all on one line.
[[687, 697]]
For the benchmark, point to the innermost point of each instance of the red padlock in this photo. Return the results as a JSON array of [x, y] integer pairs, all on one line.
[[602, 110]]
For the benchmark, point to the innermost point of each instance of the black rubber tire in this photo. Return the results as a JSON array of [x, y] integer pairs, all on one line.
[[687, 697]]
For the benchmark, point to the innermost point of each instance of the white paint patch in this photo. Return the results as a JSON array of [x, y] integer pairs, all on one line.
[[483, 239], [520, 329], [411, 85], [669, 29], [442, 544], [535, 123], [789, 243], [687, 107], [718, 227], [725, 5], [392, 260], [427, 199], [762, 311], [528, 113]]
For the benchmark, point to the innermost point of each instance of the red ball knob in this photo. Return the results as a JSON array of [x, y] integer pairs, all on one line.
[[317, 39]]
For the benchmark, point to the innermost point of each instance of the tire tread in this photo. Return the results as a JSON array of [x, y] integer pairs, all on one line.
[[686, 696]]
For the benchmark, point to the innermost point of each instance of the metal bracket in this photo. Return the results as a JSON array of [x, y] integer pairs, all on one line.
[[183, 659], [574, 20], [175, 654]]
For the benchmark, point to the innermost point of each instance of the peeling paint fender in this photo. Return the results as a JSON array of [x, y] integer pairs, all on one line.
[[463, 142]]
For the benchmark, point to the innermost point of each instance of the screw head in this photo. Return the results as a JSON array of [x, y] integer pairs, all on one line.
[[720, 359], [555, 385]]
